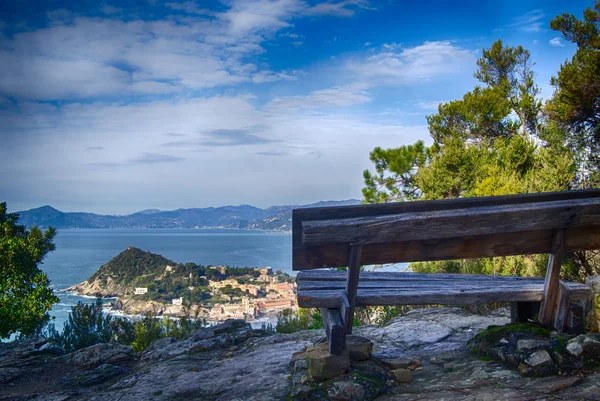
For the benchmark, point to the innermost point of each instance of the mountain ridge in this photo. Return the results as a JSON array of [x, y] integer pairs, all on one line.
[[273, 218]]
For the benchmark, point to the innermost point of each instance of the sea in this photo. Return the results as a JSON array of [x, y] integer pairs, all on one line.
[[80, 252]]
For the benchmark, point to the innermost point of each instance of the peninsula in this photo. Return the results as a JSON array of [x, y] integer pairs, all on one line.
[[144, 282]]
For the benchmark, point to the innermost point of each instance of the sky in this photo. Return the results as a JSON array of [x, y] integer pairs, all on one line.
[[115, 107]]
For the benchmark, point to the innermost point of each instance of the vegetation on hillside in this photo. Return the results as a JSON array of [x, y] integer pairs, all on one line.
[[166, 279]]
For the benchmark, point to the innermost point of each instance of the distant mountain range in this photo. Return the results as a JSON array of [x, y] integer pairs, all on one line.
[[240, 217]]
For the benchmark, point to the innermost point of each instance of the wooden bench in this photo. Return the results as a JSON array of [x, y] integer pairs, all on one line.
[[352, 236]]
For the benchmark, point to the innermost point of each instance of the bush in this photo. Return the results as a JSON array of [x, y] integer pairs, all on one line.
[[291, 321], [87, 325]]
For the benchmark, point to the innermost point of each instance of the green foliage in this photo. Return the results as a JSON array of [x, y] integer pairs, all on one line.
[[131, 264], [86, 325], [146, 330], [575, 105], [25, 296], [395, 174], [490, 142], [291, 321]]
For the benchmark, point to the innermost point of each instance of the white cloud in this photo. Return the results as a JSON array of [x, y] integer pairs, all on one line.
[[529, 22], [321, 156], [430, 105], [339, 96], [189, 7], [90, 57], [271, 76], [556, 42], [395, 65], [346, 8]]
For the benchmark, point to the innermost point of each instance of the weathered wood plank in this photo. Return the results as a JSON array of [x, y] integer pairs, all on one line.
[[330, 299], [352, 285], [305, 258], [551, 285], [334, 330], [532, 242], [453, 223], [562, 308], [419, 284], [335, 275], [441, 296], [341, 212]]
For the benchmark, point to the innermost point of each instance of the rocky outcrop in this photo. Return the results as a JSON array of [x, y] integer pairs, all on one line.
[[421, 355], [537, 351], [98, 288]]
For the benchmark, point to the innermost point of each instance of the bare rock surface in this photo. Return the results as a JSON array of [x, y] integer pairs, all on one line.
[[233, 362]]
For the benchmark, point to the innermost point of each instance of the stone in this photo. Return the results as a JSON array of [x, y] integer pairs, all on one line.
[[346, 391], [539, 358], [402, 375], [230, 325], [415, 364], [52, 349], [359, 348], [529, 345], [433, 361], [396, 363], [99, 354], [479, 373], [99, 375], [322, 365], [305, 379], [539, 363], [575, 349], [300, 364], [585, 346]]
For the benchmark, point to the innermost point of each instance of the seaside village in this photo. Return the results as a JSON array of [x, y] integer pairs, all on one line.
[[264, 295]]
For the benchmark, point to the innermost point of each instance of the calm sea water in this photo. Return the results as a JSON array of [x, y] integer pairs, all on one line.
[[80, 252]]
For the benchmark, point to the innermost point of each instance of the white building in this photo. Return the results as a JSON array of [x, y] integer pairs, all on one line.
[[177, 301], [141, 290]]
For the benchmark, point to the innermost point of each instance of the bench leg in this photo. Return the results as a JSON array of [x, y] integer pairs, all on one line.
[[521, 312], [334, 329], [349, 301]]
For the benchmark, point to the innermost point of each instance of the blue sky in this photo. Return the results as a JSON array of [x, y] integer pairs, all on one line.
[[114, 107]]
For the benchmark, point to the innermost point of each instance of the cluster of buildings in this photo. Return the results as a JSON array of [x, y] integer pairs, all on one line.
[[275, 297], [249, 288]]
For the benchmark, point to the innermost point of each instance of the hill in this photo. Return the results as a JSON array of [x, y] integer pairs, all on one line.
[[277, 218], [132, 267]]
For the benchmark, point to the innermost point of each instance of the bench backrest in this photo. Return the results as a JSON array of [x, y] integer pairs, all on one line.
[[445, 229]]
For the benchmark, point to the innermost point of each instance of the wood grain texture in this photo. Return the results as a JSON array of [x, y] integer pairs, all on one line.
[[551, 285], [532, 242], [334, 330], [454, 223], [336, 255], [562, 308], [352, 285]]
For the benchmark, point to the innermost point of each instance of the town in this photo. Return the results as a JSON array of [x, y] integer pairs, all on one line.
[[261, 293]]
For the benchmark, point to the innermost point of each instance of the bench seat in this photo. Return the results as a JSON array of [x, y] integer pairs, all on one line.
[[325, 289], [552, 223]]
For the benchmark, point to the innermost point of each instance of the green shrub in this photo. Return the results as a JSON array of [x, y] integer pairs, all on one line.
[[291, 321], [85, 326]]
